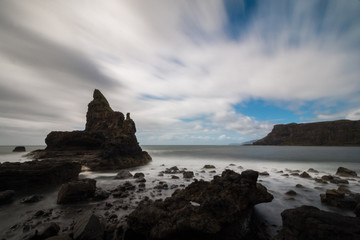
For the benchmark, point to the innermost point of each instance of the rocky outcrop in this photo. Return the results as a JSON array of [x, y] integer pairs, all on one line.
[[220, 209], [332, 133], [108, 141], [307, 223], [36, 174]]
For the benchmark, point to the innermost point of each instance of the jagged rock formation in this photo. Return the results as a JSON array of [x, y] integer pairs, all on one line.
[[220, 209], [36, 174], [306, 222], [332, 133], [108, 141]]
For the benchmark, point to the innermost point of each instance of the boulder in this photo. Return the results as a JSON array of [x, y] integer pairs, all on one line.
[[88, 227], [45, 231], [310, 223], [264, 173], [6, 196], [100, 194], [208, 166], [76, 191], [340, 199], [311, 170], [32, 199], [108, 141], [36, 174], [19, 149], [139, 175], [173, 170], [291, 193], [123, 174], [188, 174], [220, 209], [305, 175], [344, 172]]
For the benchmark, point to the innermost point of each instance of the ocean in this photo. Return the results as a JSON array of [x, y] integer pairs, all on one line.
[[276, 160]]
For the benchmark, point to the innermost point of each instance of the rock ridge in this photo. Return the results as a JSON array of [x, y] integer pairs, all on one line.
[[331, 133]]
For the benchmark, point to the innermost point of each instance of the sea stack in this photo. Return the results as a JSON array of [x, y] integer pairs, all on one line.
[[331, 133], [108, 141]]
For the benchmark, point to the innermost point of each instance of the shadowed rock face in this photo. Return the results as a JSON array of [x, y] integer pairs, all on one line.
[[220, 209], [307, 223], [333, 133], [36, 174], [108, 141]]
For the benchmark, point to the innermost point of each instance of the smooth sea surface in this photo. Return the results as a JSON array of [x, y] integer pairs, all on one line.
[[272, 159]]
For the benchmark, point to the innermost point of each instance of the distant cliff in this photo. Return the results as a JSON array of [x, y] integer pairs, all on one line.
[[108, 141], [332, 133]]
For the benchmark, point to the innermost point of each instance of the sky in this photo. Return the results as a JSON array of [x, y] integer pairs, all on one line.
[[189, 72]]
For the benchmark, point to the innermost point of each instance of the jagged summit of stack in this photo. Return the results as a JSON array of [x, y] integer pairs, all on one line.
[[107, 133]]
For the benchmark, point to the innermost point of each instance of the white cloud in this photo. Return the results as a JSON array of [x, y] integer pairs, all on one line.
[[168, 61]]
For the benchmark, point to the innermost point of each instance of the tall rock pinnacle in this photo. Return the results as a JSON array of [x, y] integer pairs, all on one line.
[[108, 133]]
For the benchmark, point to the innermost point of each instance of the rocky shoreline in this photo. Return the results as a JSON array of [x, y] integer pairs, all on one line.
[[177, 204]]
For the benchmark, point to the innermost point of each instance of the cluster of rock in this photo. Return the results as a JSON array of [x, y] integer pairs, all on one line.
[[220, 209], [108, 141], [332, 133]]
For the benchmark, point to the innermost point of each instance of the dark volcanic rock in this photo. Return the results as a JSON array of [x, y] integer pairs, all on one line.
[[220, 209], [89, 227], [76, 191], [36, 174], [310, 223], [19, 149], [108, 141], [6, 196], [332, 133], [344, 172]]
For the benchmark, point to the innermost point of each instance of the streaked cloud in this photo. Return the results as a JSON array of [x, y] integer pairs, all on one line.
[[180, 67]]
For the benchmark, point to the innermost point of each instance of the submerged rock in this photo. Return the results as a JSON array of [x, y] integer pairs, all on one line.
[[19, 149], [344, 172], [76, 191], [208, 166], [306, 222], [188, 174], [305, 175], [123, 174], [220, 209], [108, 141]]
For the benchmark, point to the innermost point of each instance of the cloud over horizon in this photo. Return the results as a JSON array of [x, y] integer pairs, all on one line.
[[190, 72]]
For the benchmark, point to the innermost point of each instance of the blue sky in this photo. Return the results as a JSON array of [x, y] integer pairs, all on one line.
[[190, 72]]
